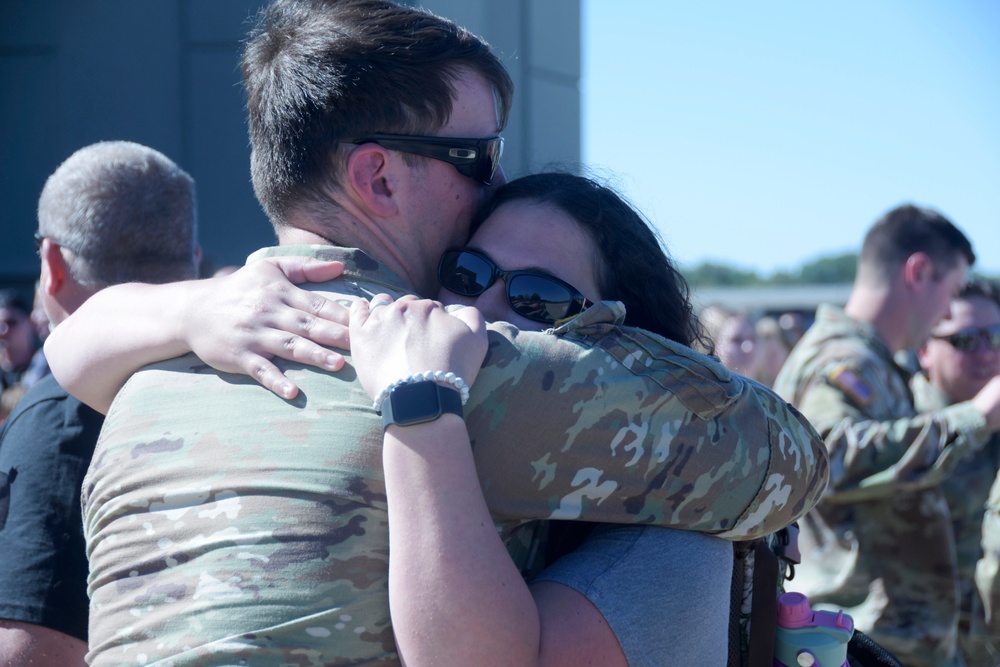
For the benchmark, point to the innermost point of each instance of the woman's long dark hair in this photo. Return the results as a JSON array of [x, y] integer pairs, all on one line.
[[633, 266]]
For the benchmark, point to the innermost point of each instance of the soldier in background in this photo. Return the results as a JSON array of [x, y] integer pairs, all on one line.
[[879, 544], [960, 357]]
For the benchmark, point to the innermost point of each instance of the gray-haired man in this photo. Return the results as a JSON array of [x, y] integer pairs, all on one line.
[[113, 212]]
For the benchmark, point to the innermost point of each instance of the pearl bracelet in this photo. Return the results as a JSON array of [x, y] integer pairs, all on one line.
[[436, 376]]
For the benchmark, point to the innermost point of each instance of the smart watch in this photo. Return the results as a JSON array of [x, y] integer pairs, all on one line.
[[419, 402]]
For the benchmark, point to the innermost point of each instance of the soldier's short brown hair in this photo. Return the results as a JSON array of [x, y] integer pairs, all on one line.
[[321, 72], [908, 229]]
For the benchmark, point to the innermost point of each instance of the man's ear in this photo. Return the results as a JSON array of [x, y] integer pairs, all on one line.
[[55, 272], [371, 174], [918, 270]]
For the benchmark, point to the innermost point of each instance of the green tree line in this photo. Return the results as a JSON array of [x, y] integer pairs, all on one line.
[[836, 269], [832, 270]]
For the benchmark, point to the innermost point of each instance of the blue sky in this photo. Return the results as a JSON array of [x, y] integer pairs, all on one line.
[[767, 134]]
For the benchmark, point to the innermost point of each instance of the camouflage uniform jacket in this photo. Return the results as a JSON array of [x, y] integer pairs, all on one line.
[[966, 490], [988, 568], [879, 544], [227, 526]]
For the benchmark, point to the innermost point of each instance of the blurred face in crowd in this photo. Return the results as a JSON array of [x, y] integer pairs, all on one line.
[[17, 342], [960, 357], [736, 345], [771, 355]]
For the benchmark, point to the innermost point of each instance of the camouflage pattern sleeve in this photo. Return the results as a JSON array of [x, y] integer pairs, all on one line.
[[873, 455], [843, 378], [988, 567], [966, 489], [613, 424]]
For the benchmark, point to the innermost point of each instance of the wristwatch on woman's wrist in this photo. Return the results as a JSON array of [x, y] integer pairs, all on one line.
[[419, 402]]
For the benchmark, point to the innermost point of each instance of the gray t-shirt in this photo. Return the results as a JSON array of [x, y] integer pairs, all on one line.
[[665, 593]]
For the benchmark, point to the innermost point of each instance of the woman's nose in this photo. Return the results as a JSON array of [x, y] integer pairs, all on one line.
[[493, 302]]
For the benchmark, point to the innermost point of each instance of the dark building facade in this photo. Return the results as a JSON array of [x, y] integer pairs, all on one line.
[[165, 73]]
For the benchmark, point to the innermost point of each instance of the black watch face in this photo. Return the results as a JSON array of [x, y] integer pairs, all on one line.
[[415, 402]]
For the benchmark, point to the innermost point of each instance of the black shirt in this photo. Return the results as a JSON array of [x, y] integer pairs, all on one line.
[[45, 449]]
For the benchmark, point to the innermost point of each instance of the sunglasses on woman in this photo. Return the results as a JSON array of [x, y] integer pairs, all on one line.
[[536, 295], [967, 340]]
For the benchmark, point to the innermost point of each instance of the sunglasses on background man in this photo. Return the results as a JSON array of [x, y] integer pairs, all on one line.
[[967, 340]]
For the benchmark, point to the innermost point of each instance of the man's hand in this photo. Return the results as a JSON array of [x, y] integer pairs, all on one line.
[[242, 321]]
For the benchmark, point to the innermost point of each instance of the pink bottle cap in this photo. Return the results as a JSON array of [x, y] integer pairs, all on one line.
[[794, 610]]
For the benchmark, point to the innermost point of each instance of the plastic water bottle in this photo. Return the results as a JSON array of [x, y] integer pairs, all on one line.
[[807, 638]]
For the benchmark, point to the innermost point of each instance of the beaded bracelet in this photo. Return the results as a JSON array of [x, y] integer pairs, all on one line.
[[437, 376]]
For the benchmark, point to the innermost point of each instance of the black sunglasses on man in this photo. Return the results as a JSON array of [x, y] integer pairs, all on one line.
[[476, 158]]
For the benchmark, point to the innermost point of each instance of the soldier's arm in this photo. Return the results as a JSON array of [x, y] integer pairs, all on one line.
[[871, 457], [615, 425]]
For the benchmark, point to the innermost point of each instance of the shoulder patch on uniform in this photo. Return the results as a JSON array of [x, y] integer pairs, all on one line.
[[852, 385]]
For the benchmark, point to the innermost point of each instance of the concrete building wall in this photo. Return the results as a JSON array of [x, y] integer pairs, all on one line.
[[165, 73], [539, 42]]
